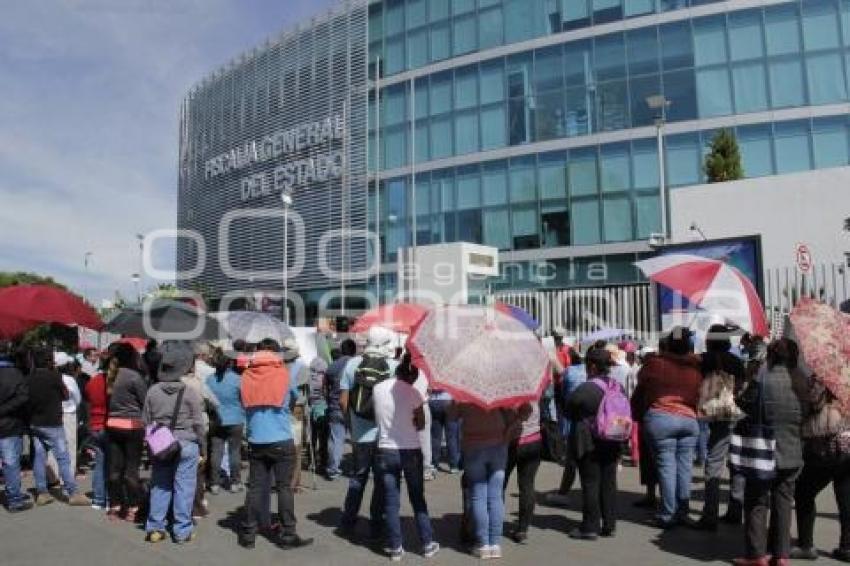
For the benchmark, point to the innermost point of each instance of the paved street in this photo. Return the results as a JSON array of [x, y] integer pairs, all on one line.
[[60, 534]]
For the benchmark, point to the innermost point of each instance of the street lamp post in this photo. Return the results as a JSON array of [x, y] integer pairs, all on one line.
[[86, 257], [136, 278], [141, 272], [286, 198], [660, 104]]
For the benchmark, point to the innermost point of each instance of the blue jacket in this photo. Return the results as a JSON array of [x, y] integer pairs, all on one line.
[[268, 425], [574, 376], [226, 390]]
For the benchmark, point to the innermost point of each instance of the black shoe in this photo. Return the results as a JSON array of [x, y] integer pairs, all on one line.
[[246, 541], [705, 525], [646, 503], [25, 506], [608, 533], [841, 554], [734, 514], [578, 534], [293, 541], [519, 537], [663, 525], [799, 553]]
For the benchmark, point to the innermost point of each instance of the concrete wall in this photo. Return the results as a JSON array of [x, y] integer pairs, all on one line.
[[808, 207]]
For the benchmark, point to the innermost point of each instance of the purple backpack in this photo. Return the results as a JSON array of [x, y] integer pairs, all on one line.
[[614, 417]]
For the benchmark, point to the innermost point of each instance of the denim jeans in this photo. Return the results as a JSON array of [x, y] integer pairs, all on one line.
[[485, 471], [391, 465], [266, 461], [336, 444], [365, 460], [441, 423], [52, 439], [10, 456], [425, 441], [98, 442], [232, 435], [674, 439], [174, 481], [719, 440], [702, 442]]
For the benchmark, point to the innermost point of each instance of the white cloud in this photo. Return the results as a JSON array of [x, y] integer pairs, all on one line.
[[89, 99]]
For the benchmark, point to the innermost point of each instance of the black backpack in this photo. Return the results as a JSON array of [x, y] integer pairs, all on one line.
[[371, 371]]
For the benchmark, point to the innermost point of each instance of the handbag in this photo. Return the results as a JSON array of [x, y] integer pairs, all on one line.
[[162, 444], [717, 398], [752, 452]]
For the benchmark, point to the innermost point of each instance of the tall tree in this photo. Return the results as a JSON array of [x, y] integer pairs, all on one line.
[[723, 162]]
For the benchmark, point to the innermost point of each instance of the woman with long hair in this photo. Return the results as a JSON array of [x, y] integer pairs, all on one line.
[[125, 431]]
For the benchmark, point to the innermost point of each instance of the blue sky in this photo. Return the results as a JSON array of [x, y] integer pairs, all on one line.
[[89, 98]]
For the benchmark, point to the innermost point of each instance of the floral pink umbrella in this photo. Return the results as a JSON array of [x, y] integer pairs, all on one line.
[[823, 335], [480, 355]]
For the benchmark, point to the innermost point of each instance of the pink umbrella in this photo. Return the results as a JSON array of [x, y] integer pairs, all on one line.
[[480, 355], [711, 284], [823, 334]]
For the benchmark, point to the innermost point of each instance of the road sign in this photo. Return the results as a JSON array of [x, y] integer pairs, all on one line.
[[804, 259]]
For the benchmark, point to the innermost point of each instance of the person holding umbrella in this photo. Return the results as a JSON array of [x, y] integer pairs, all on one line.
[[822, 332], [826, 459], [485, 436]]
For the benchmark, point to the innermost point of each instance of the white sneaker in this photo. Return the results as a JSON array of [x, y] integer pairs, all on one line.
[[482, 552], [430, 550], [495, 551]]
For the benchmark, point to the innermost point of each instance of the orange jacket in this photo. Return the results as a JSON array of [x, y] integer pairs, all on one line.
[[265, 381]]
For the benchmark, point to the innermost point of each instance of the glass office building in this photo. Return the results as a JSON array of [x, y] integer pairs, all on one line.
[[524, 124]]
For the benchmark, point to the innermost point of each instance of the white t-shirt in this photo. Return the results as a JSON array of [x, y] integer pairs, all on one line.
[[394, 402], [73, 401]]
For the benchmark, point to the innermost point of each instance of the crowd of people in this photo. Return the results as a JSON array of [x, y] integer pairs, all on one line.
[[261, 403]]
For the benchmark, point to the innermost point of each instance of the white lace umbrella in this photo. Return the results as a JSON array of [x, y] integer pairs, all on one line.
[[480, 355], [253, 326]]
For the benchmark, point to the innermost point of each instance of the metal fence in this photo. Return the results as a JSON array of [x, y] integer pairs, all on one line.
[[584, 311], [784, 287], [633, 307]]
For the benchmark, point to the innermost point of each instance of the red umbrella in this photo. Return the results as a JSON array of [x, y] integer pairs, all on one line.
[[13, 327], [711, 284], [43, 303], [400, 317]]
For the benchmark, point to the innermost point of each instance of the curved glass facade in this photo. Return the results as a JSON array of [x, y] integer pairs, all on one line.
[[551, 144], [782, 56], [410, 34], [588, 195]]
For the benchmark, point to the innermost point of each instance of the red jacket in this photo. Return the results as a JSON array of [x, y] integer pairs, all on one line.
[[98, 402], [670, 384]]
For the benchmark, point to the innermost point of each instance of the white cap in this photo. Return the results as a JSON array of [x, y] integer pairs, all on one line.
[[61, 359]]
